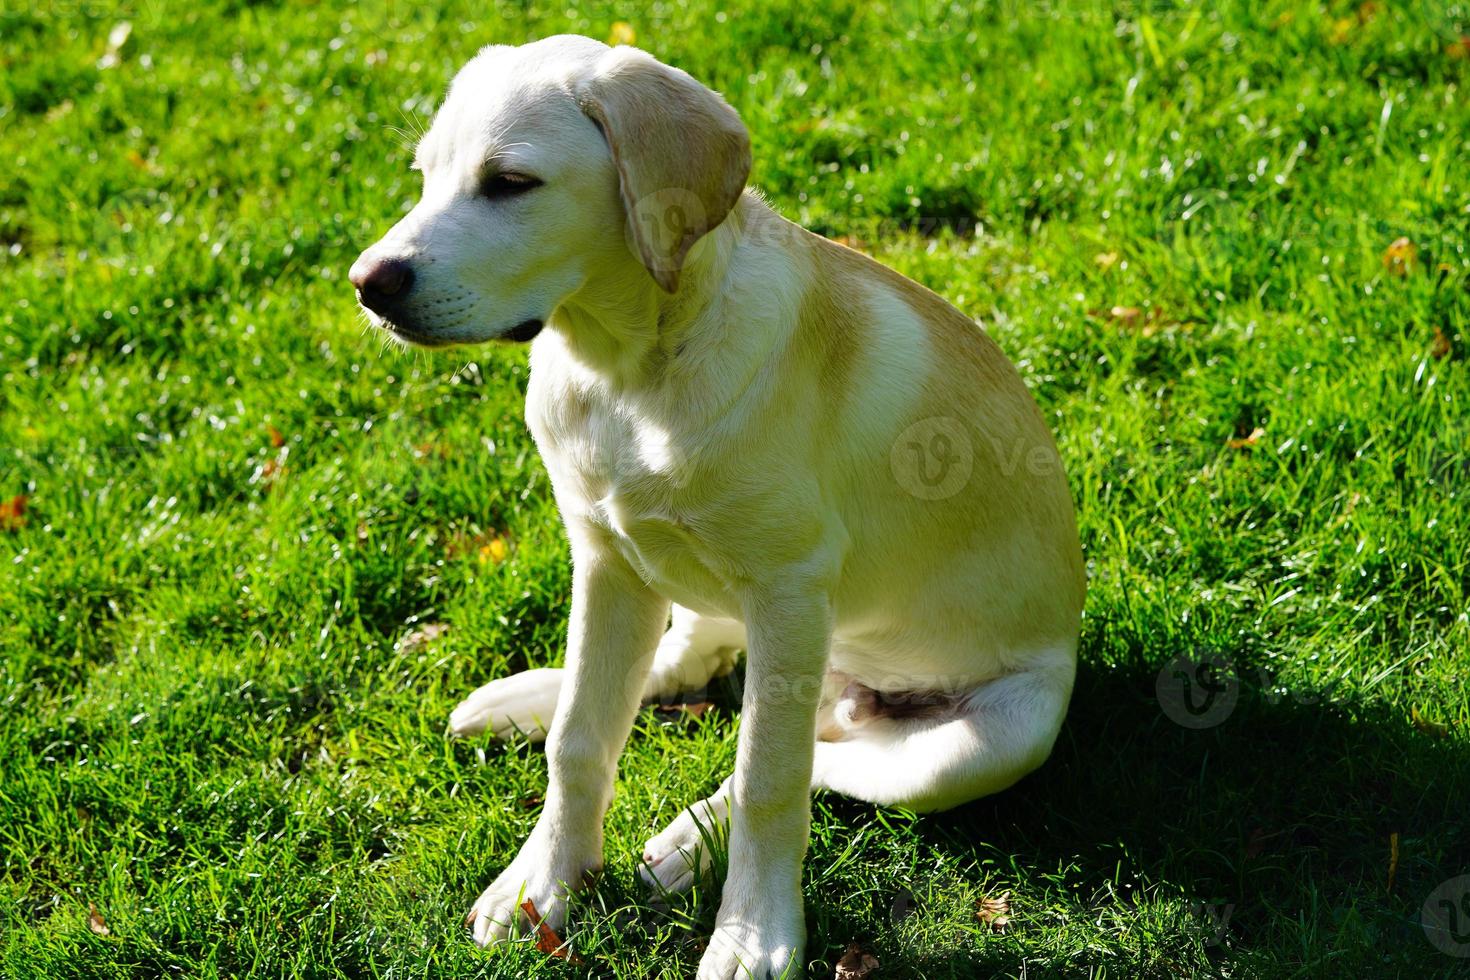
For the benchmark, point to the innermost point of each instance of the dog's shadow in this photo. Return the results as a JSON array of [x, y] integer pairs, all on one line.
[[1265, 813]]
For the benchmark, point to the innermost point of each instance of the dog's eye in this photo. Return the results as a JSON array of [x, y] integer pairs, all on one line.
[[501, 185]]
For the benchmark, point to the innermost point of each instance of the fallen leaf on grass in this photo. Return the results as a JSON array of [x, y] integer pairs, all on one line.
[[13, 513], [1148, 322], [1105, 260], [856, 963], [270, 471], [420, 638], [995, 912], [277, 440], [494, 551], [622, 33], [1401, 257], [547, 941], [1247, 442], [96, 923], [1434, 728], [1459, 48], [1440, 347], [1393, 858], [489, 548], [695, 709]]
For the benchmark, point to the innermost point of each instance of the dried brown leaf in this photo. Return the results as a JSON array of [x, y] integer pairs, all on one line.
[[1428, 727], [693, 708], [995, 911], [1247, 442], [547, 941], [1393, 858], [1401, 257], [13, 513], [856, 963], [96, 923], [1440, 347], [420, 638], [488, 548]]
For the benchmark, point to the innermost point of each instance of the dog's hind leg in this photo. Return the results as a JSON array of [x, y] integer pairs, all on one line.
[[694, 650], [993, 736]]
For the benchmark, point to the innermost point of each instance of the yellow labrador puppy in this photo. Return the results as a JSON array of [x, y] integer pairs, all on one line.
[[759, 440]]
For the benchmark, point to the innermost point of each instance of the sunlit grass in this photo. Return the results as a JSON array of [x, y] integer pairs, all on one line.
[[1174, 217]]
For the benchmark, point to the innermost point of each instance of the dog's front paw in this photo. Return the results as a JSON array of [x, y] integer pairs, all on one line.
[[532, 877], [682, 853], [521, 704], [765, 946]]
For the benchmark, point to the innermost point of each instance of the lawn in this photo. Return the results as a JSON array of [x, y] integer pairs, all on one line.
[[256, 557]]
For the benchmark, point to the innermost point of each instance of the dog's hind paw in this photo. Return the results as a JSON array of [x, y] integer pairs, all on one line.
[[682, 853], [521, 704]]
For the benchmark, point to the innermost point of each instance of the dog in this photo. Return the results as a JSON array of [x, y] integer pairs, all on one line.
[[759, 441]]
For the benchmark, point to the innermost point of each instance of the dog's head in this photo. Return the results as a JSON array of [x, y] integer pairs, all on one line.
[[549, 167]]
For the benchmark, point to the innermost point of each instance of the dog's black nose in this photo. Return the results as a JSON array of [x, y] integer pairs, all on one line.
[[382, 285]]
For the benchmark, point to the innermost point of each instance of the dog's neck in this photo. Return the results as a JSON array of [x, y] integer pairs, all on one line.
[[625, 328]]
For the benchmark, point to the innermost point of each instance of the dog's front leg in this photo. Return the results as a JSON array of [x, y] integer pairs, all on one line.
[[615, 625], [760, 929]]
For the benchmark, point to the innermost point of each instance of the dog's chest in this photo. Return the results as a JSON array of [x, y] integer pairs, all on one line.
[[645, 489]]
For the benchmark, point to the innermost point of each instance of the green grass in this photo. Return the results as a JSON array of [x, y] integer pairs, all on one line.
[[210, 734]]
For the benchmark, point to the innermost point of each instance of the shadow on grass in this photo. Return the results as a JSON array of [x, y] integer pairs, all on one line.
[[1272, 827]]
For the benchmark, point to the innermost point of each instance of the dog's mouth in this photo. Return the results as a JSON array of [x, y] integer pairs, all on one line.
[[521, 333], [413, 336], [524, 331]]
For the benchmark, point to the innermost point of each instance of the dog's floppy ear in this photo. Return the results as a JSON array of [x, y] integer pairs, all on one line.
[[682, 154]]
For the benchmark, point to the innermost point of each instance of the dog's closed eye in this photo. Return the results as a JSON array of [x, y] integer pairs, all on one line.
[[503, 184]]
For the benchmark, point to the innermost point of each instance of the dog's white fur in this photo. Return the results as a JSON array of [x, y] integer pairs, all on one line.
[[737, 417]]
